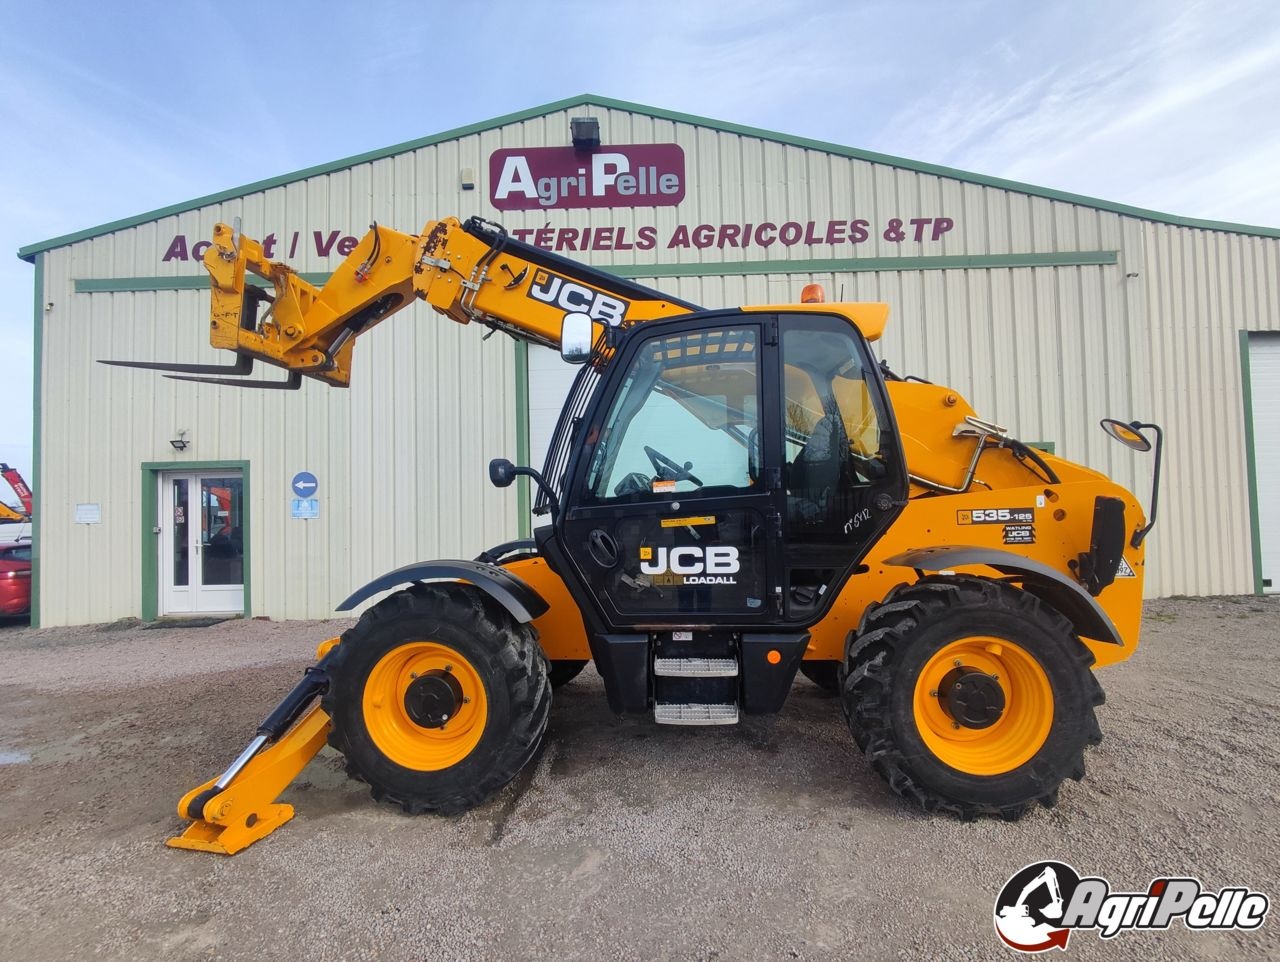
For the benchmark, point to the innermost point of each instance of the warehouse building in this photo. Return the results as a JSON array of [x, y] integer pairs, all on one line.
[[1047, 310]]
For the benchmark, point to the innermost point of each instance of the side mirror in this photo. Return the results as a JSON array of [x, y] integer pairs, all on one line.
[[501, 472], [1130, 435], [575, 337]]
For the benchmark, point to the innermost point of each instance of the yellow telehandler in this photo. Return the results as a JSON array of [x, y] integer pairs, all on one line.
[[730, 496]]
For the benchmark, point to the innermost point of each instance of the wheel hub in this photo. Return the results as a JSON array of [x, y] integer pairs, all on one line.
[[972, 698], [432, 699]]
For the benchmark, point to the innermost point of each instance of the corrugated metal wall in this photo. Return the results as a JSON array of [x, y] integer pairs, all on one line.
[[1203, 287], [1045, 350]]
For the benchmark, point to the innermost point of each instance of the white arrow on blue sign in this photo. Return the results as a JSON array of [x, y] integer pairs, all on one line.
[[305, 484]]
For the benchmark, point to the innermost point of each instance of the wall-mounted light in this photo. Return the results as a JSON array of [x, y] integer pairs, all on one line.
[[585, 132], [180, 442]]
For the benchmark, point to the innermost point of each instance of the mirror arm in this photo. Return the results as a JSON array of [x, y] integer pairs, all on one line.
[[1140, 535], [502, 472]]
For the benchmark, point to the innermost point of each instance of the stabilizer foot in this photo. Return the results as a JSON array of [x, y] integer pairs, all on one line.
[[205, 836]]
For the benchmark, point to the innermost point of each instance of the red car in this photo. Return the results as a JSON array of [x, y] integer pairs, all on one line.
[[15, 579]]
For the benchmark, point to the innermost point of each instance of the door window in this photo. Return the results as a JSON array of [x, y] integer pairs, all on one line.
[[179, 533], [831, 425], [686, 418], [222, 531]]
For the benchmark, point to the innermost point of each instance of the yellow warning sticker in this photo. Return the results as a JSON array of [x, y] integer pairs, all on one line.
[[660, 484], [646, 554], [688, 522]]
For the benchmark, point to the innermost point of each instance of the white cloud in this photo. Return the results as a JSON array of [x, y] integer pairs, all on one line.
[[1170, 119]]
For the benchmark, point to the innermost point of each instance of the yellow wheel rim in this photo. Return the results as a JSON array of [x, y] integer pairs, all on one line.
[[1012, 739], [389, 695]]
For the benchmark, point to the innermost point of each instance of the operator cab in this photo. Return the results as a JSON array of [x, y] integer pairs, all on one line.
[[734, 467], [719, 477]]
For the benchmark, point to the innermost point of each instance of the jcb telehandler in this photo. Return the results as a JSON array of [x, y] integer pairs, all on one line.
[[730, 496]]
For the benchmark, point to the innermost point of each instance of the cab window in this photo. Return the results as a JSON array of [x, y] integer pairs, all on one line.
[[831, 424], [685, 419]]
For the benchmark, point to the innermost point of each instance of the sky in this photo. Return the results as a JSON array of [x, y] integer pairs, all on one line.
[[111, 110]]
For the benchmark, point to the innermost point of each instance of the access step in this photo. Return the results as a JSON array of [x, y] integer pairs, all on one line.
[[675, 714], [696, 668]]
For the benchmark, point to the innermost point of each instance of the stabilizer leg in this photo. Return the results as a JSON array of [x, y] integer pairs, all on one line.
[[245, 810], [239, 806]]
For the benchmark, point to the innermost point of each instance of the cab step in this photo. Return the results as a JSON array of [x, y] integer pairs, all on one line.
[[683, 714], [696, 667]]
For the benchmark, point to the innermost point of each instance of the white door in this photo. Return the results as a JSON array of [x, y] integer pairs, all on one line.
[[1264, 382], [202, 543]]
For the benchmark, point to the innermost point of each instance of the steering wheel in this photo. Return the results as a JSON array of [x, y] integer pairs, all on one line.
[[668, 469], [872, 469]]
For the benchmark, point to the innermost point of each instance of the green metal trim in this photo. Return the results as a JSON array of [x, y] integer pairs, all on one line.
[[37, 424], [1046, 446], [522, 435], [180, 282], [150, 541], [28, 252], [1251, 463], [842, 265]]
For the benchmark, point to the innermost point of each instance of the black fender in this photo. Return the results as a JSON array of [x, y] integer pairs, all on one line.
[[494, 555], [518, 598], [1049, 585]]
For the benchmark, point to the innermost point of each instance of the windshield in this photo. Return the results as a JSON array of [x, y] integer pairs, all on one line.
[[686, 417]]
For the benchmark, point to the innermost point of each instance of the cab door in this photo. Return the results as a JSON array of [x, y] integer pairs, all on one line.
[[671, 517], [843, 474]]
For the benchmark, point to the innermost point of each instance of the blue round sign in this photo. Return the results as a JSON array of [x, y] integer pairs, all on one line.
[[305, 484]]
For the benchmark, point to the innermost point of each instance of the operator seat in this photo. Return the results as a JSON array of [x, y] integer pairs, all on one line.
[[818, 469]]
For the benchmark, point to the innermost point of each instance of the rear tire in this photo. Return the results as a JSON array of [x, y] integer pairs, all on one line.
[[471, 647], [901, 661]]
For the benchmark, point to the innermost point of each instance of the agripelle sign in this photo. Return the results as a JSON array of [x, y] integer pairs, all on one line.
[[629, 175]]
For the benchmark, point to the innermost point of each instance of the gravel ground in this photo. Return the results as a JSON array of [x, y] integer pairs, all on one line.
[[770, 840]]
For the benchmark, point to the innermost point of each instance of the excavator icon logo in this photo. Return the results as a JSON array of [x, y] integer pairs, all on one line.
[[1030, 905]]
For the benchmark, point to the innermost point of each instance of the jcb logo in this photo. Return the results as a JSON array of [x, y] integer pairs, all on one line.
[[561, 292], [714, 562]]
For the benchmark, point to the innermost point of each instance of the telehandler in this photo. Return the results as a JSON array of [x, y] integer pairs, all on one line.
[[731, 496], [23, 492]]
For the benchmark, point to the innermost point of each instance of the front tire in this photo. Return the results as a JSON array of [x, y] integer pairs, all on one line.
[[970, 696], [438, 698]]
